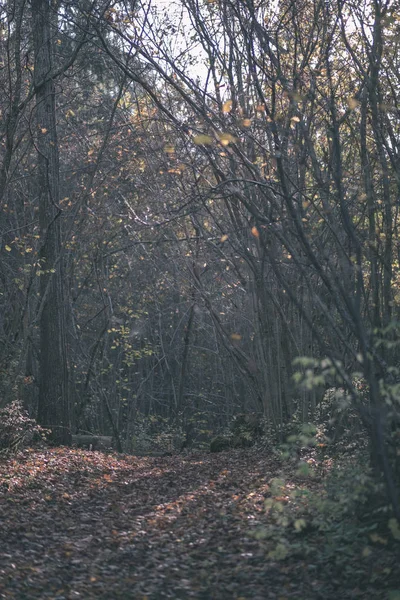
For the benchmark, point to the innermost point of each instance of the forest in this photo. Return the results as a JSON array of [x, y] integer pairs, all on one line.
[[200, 298]]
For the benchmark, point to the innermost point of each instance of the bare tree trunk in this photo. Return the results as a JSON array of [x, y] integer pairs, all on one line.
[[54, 409], [185, 362]]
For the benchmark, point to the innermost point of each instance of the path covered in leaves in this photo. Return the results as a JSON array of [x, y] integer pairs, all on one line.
[[76, 524]]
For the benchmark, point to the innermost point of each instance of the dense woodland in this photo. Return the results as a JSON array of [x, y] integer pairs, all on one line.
[[200, 223]]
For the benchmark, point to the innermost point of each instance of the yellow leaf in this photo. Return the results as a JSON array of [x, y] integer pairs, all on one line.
[[224, 238], [255, 232], [8, 248], [236, 337], [169, 149], [43, 129], [353, 103], [226, 138], [246, 122], [295, 119], [202, 139], [227, 106]]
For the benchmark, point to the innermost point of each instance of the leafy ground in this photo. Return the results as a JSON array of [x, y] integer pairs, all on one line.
[[80, 524]]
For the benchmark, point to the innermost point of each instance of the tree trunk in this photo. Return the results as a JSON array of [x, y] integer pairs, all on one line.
[[54, 411]]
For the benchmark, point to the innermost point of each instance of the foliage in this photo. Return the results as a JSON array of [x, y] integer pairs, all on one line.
[[17, 429], [303, 513], [302, 437], [155, 434], [349, 419], [220, 443], [246, 429]]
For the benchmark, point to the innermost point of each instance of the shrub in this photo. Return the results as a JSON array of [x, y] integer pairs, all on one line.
[[246, 429], [220, 443], [154, 434], [17, 429]]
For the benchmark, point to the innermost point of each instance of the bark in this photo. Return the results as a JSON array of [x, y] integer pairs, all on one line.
[[54, 411]]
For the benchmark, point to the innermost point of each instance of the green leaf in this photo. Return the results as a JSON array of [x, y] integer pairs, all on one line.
[[280, 552], [300, 524]]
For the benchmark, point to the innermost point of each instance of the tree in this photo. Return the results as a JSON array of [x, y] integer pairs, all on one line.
[[54, 409]]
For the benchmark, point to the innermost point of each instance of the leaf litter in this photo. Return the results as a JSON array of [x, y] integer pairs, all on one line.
[[80, 524]]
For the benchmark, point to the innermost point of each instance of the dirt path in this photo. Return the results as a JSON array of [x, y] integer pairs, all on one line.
[[76, 524]]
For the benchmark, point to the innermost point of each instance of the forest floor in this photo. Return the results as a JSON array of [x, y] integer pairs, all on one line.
[[235, 525]]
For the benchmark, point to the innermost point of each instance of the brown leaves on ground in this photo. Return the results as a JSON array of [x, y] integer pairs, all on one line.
[[76, 524]]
